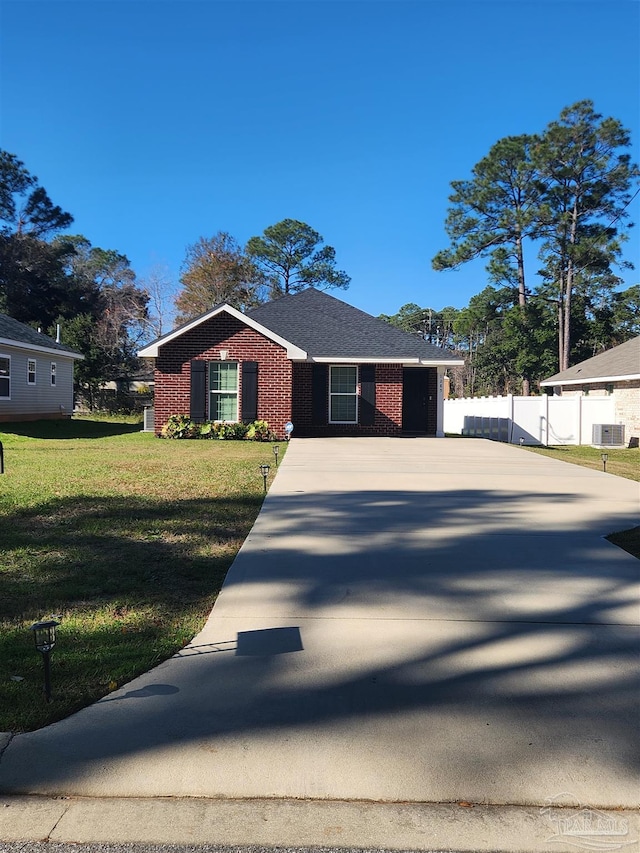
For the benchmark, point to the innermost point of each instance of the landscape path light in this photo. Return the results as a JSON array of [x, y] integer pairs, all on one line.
[[276, 450], [264, 470], [604, 457], [44, 635], [521, 441]]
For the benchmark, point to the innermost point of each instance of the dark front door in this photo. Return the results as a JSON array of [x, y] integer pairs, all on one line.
[[415, 399]]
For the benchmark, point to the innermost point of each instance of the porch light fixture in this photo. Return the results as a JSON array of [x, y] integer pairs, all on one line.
[[276, 450], [264, 470], [604, 457], [44, 635]]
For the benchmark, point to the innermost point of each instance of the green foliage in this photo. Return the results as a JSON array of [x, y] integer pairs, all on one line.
[[260, 431], [181, 426], [291, 257], [564, 192]]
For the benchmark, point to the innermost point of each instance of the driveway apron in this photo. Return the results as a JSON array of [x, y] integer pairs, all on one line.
[[416, 620]]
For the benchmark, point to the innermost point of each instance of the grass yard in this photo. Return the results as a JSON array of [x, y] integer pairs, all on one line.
[[126, 537], [622, 461]]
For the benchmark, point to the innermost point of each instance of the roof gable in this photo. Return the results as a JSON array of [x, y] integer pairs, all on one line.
[[17, 334], [151, 350], [621, 362]]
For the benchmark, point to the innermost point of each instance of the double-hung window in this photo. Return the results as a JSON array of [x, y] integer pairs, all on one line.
[[343, 394], [31, 371], [223, 391], [5, 377]]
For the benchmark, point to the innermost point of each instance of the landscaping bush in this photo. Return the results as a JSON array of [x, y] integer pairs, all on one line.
[[181, 426]]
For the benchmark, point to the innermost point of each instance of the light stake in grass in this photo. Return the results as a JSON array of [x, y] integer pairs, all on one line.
[[521, 440], [604, 457], [44, 634], [264, 470], [276, 450]]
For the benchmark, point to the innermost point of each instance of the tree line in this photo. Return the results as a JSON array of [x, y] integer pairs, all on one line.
[[561, 196]]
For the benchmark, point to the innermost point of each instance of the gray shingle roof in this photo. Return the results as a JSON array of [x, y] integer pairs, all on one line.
[[324, 326], [13, 330], [617, 363]]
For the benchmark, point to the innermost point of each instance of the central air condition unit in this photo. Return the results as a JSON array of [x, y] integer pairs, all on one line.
[[148, 419], [608, 435]]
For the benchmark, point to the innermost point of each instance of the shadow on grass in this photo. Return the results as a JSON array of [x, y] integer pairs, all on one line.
[[65, 428], [134, 579], [83, 550]]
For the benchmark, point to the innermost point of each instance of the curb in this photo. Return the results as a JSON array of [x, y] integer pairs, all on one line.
[[459, 828]]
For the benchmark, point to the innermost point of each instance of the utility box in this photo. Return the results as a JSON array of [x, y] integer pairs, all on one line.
[[607, 435], [148, 419]]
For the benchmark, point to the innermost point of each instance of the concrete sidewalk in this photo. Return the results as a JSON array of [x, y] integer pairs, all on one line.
[[410, 621]]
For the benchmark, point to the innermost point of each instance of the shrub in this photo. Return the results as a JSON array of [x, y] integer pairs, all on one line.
[[260, 431], [181, 426]]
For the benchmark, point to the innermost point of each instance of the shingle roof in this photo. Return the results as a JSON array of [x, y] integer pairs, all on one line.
[[326, 327], [13, 330], [621, 362]]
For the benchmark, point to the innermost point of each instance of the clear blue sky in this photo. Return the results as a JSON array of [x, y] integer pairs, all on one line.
[[155, 123]]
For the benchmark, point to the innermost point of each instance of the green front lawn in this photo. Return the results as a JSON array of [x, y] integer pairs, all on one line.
[[622, 461], [125, 536]]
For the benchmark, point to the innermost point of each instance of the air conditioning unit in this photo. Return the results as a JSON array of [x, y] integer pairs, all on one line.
[[148, 419], [608, 435]]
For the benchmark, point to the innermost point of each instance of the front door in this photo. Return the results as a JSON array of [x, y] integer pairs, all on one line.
[[415, 399]]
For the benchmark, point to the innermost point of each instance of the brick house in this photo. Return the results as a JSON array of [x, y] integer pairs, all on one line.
[[36, 374], [615, 373], [308, 358]]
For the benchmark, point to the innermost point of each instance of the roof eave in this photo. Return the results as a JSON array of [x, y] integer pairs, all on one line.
[[410, 362], [588, 380], [10, 342]]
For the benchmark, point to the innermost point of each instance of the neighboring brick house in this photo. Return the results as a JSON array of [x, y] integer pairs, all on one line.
[[308, 358], [615, 372], [36, 374]]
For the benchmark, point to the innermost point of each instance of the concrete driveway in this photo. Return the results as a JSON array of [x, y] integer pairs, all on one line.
[[416, 620]]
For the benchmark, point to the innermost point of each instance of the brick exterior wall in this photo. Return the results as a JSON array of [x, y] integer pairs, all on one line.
[[388, 416], [284, 387], [223, 332]]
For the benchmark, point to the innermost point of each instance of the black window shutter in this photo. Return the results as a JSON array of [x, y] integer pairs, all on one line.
[[249, 391], [319, 392], [367, 394], [198, 407]]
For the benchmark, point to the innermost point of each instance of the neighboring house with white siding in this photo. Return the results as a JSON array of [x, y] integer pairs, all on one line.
[[614, 373], [36, 374]]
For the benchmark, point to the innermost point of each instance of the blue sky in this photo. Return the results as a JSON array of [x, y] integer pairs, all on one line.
[[155, 123]]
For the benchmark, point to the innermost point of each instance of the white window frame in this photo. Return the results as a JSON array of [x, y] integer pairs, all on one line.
[[31, 371], [213, 391], [54, 370], [353, 393], [8, 378]]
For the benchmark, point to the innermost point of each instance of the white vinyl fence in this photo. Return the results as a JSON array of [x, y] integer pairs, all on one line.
[[538, 420]]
